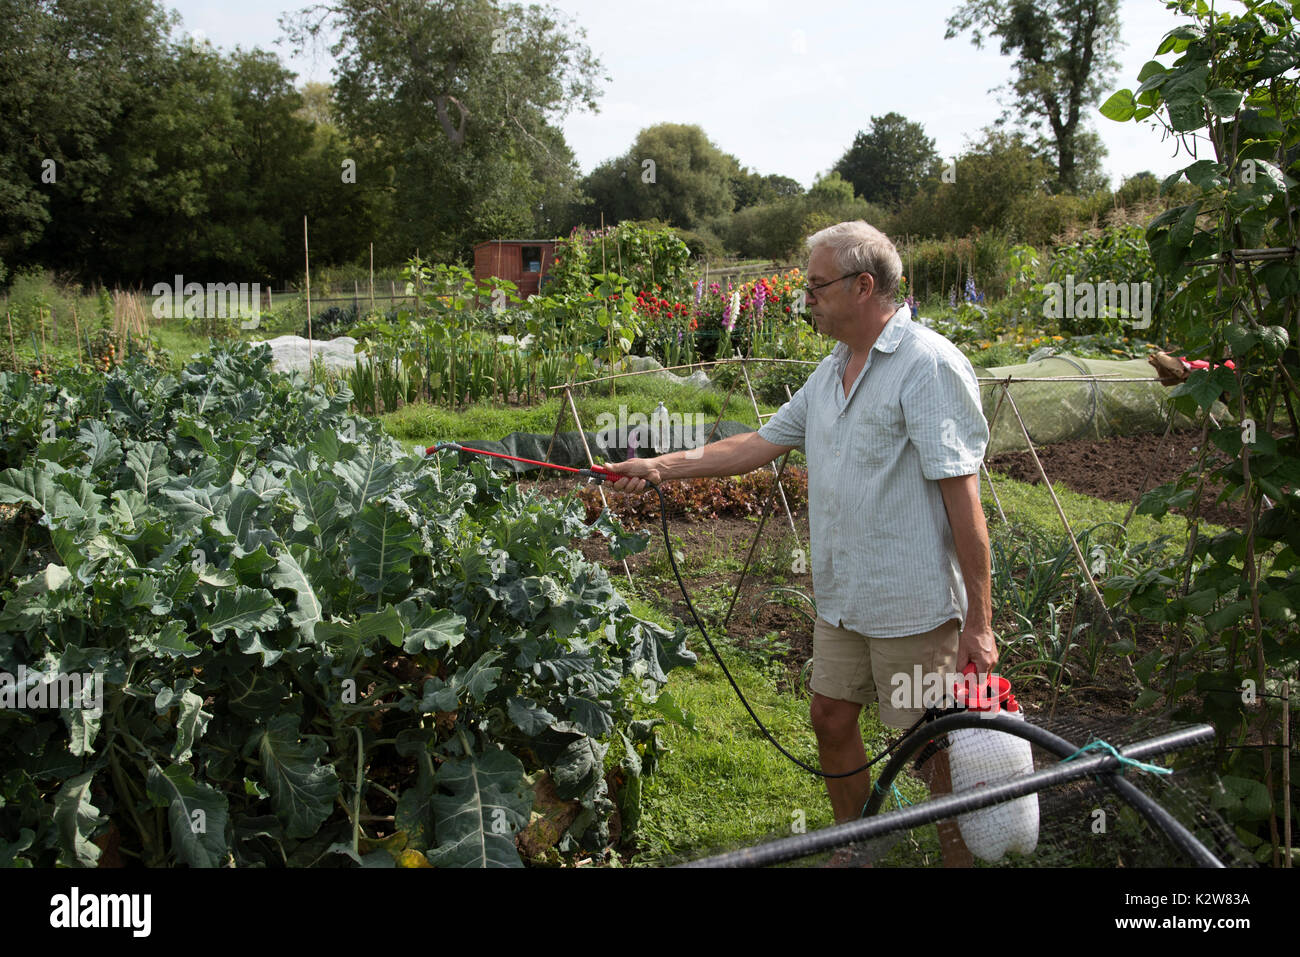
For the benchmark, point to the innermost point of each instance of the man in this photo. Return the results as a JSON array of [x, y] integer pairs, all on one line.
[[894, 433]]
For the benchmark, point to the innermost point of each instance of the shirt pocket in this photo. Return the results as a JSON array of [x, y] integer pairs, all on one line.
[[880, 437]]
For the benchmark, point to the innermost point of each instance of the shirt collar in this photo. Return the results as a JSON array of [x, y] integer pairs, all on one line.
[[889, 337]]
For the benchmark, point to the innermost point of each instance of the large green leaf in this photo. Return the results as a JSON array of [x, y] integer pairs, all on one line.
[[316, 507], [246, 609], [353, 637], [475, 681], [488, 803], [241, 517], [1119, 106], [40, 600], [1224, 102], [9, 852], [83, 719], [429, 629], [530, 717], [1183, 92], [147, 464], [65, 497], [653, 651], [380, 551], [26, 487], [194, 435], [302, 789], [170, 642], [1205, 386], [196, 815], [289, 573], [129, 404], [579, 766], [191, 722], [130, 508], [591, 715], [189, 505], [76, 817], [366, 476], [254, 691], [103, 449]]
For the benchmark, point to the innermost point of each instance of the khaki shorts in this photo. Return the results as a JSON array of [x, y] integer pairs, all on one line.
[[848, 666]]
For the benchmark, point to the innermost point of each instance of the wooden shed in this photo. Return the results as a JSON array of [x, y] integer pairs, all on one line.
[[523, 261]]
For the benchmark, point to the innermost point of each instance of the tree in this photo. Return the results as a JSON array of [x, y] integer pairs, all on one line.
[[752, 189], [888, 162], [782, 186], [72, 69], [672, 173], [1063, 51], [777, 229], [1139, 187], [317, 103], [112, 136], [991, 176], [458, 100], [216, 160]]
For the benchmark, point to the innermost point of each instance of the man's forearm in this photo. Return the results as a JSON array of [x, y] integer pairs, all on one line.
[[970, 536], [735, 455]]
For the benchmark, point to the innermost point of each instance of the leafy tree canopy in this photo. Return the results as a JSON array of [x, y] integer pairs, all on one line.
[[673, 173], [1063, 62], [457, 102], [888, 161]]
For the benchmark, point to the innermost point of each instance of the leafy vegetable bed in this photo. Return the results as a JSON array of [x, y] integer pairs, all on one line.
[[307, 645]]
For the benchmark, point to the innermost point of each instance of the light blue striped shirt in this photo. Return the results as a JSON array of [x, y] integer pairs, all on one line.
[[883, 560]]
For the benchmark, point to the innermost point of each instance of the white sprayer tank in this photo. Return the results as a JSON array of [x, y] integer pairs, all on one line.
[[981, 756]]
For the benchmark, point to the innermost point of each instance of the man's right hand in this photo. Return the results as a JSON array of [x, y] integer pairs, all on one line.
[[731, 456], [638, 472]]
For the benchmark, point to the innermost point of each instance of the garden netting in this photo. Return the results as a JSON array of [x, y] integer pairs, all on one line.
[[568, 448], [1065, 398], [1065, 405], [1080, 823]]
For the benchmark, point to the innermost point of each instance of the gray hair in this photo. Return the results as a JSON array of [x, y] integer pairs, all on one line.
[[860, 247]]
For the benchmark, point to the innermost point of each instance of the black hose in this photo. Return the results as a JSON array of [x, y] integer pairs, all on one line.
[[950, 805], [1178, 835]]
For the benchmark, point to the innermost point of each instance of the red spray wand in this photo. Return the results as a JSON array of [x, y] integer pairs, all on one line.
[[595, 472]]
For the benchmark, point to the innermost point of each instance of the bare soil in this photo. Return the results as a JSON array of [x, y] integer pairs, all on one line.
[[1119, 469]]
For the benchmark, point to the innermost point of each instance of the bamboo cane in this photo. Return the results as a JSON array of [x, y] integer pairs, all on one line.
[[13, 350], [306, 258], [76, 328]]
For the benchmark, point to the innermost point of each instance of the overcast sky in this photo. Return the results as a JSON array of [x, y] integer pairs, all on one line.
[[782, 86]]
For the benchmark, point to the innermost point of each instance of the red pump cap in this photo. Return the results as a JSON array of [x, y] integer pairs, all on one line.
[[994, 696]]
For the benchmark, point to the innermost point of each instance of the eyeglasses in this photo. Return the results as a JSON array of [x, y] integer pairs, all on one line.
[[823, 285]]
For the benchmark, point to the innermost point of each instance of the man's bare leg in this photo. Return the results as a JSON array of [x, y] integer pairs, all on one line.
[[839, 743], [938, 775]]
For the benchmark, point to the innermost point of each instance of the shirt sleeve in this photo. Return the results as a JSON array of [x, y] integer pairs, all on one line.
[[787, 426], [945, 420]]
